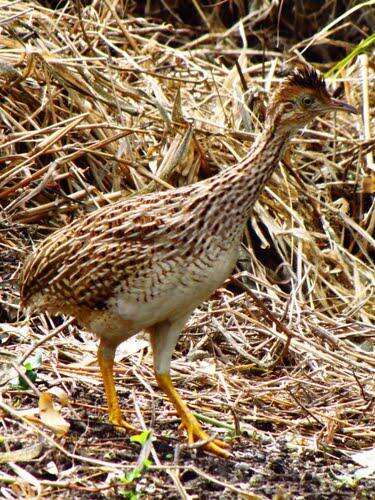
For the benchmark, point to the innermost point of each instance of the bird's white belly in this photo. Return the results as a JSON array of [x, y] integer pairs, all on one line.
[[181, 291]]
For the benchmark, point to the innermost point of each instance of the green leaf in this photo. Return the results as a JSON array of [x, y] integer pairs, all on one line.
[[129, 495], [28, 366], [146, 463], [22, 384], [361, 47], [129, 477], [34, 362], [140, 438]]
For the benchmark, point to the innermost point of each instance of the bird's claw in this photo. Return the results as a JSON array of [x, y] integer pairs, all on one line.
[[196, 433], [122, 425]]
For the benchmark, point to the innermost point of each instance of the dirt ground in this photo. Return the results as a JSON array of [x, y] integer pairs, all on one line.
[[271, 466]]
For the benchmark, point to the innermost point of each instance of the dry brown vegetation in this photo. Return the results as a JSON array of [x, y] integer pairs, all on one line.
[[104, 99]]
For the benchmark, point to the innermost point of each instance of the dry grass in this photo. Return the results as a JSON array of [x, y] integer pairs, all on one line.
[[96, 105]]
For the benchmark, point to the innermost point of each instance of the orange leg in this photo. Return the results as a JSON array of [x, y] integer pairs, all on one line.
[[189, 422], [106, 358], [163, 339]]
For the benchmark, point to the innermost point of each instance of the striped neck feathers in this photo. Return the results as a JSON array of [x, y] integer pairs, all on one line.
[[243, 183]]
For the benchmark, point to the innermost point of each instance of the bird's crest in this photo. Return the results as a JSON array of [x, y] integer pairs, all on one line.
[[301, 78], [306, 77]]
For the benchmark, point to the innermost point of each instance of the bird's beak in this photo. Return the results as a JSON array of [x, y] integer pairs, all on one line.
[[337, 105]]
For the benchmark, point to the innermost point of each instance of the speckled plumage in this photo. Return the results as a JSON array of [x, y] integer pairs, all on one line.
[[146, 262], [147, 248]]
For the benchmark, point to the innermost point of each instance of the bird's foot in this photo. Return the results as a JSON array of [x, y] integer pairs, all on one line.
[[196, 433], [122, 425]]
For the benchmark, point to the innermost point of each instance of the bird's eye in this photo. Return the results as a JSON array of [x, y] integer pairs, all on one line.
[[307, 100]]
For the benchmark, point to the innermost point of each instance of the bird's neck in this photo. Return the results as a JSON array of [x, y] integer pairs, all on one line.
[[221, 206], [241, 186]]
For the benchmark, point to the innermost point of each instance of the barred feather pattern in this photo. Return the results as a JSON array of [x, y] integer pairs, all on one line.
[[169, 249], [142, 243]]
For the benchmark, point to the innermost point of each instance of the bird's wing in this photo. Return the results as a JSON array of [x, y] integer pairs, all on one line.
[[85, 261]]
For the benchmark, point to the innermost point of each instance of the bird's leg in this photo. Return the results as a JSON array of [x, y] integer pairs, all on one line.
[[106, 354], [189, 421], [163, 339]]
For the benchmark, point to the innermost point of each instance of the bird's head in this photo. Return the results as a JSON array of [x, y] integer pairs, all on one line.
[[301, 97]]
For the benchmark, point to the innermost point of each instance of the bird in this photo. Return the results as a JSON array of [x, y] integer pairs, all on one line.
[[145, 262]]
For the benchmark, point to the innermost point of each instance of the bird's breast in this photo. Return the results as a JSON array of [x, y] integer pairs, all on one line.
[[173, 289]]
